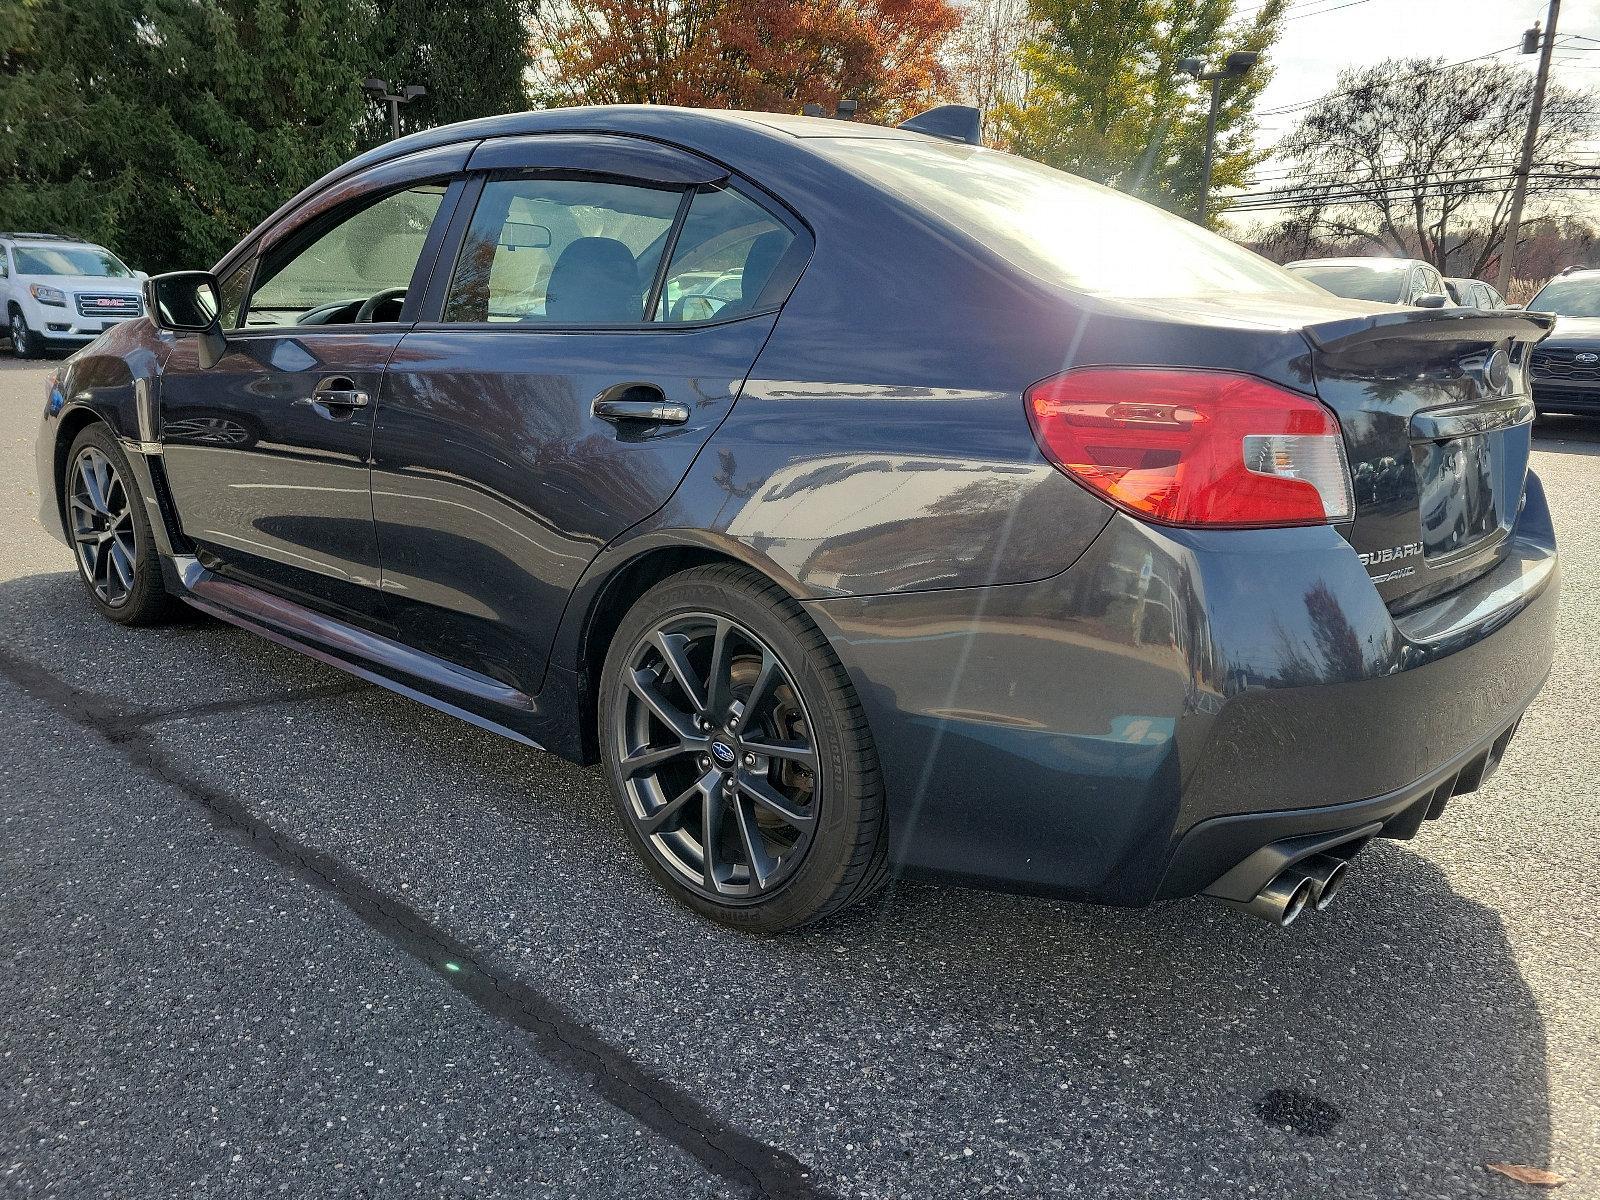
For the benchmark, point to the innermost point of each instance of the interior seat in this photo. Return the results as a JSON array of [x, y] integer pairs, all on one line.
[[595, 282]]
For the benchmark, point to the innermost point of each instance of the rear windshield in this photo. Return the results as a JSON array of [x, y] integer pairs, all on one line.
[[1061, 228], [70, 260], [1569, 298], [1358, 283]]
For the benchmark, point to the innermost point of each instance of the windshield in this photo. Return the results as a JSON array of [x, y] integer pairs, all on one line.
[[70, 260], [1061, 228], [1569, 298], [1386, 285]]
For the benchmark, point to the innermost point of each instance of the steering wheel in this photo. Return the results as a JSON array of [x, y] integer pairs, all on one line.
[[364, 313]]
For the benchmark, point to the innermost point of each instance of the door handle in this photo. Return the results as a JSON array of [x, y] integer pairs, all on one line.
[[341, 397], [336, 399], [639, 402]]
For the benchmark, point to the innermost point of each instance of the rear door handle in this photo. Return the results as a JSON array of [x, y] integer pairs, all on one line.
[[639, 402]]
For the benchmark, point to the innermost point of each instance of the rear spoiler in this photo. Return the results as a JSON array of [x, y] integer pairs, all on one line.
[[1431, 325]]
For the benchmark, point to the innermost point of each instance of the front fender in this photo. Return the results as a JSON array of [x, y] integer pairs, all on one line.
[[114, 380]]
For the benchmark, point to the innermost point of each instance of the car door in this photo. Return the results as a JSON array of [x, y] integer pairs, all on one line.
[[598, 306], [267, 450]]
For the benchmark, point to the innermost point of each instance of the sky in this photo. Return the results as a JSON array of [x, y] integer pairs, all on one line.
[[1321, 37]]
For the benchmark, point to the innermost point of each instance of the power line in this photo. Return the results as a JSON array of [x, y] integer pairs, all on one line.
[[1407, 182], [1268, 112], [1291, 13], [1412, 174], [1291, 198]]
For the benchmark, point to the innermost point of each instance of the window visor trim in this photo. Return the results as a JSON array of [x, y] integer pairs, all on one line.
[[625, 157]]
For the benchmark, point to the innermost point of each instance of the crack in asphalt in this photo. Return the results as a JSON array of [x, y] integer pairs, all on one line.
[[668, 1110]]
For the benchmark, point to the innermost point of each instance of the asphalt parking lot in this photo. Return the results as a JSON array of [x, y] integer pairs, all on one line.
[[271, 931]]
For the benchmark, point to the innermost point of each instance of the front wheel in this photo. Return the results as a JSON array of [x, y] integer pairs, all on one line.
[[739, 755], [110, 532], [24, 342]]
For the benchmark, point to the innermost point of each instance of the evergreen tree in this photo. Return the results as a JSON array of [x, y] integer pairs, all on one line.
[[1105, 99], [472, 57], [167, 129]]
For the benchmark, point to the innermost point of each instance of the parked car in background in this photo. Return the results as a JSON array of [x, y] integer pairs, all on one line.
[[60, 291], [1473, 293], [1130, 567], [1565, 367], [1386, 280]]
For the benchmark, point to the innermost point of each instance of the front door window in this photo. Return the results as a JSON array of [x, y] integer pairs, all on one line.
[[356, 271]]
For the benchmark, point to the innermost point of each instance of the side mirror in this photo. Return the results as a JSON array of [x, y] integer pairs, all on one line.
[[188, 302], [1431, 300]]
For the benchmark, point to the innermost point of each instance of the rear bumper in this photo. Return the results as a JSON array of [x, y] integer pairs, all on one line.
[[1139, 725]]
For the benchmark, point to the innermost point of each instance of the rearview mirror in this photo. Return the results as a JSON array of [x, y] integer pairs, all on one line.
[[1431, 300], [188, 302]]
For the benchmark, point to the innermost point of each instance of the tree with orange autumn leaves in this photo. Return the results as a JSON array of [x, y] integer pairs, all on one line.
[[773, 55]]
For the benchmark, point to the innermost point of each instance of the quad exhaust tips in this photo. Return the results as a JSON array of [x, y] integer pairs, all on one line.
[[1327, 876], [1310, 884]]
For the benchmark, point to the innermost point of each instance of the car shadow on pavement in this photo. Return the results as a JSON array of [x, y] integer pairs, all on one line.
[[1567, 435], [1388, 1045]]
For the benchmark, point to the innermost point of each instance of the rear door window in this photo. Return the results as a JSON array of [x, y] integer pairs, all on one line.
[[726, 261], [561, 252]]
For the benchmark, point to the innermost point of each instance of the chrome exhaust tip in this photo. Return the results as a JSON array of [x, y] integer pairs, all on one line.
[[1327, 876], [1284, 899]]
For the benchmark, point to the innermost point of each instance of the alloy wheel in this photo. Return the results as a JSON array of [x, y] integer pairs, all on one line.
[[716, 757], [102, 527], [19, 336]]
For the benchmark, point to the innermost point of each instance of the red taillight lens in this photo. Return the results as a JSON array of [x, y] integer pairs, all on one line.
[[1194, 447]]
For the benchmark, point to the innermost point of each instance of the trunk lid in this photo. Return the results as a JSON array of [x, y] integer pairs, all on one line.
[[1437, 419]]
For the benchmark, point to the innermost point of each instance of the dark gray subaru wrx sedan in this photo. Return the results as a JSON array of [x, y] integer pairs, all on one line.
[[860, 498]]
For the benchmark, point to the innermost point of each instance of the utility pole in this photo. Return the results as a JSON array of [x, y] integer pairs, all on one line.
[[378, 89], [1234, 66], [1531, 42]]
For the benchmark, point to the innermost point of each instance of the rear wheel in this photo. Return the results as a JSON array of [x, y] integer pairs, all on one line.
[[110, 533], [738, 753]]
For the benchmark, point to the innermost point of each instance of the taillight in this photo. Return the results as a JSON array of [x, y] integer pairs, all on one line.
[[1203, 448]]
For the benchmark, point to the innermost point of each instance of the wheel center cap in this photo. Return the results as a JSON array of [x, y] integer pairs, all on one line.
[[723, 753]]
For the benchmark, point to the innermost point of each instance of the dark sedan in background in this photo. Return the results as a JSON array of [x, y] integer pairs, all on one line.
[[860, 498], [1566, 365], [1383, 280]]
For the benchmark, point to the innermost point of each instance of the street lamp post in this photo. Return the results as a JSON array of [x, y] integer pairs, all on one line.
[[1234, 66], [378, 89]]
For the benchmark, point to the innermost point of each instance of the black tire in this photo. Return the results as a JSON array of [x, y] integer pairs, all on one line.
[[24, 342], [844, 856], [144, 600]]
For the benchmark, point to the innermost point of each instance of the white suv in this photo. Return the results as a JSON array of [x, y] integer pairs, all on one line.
[[58, 289]]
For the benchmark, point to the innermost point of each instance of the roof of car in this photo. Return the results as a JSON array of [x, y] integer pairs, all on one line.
[[1375, 262], [48, 239], [735, 139], [698, 128]]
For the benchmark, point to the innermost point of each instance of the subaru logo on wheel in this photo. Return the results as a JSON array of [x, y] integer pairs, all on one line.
[[723, 753]]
